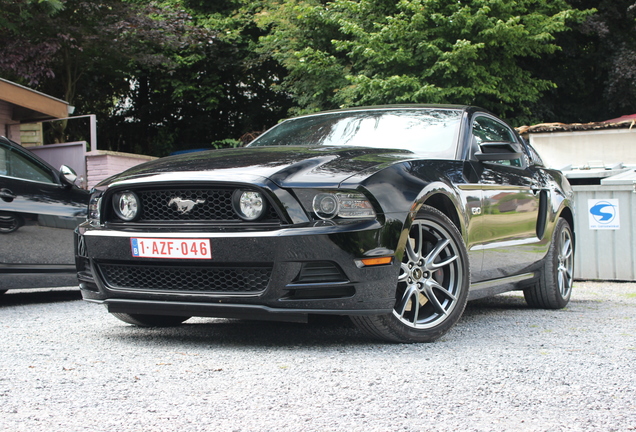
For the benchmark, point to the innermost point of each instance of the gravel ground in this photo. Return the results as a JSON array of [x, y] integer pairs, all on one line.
[[67, 365]]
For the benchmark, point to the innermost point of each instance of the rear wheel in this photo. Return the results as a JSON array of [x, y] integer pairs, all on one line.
[[10, 223], [150, 320], [432, 286], [554, 287]]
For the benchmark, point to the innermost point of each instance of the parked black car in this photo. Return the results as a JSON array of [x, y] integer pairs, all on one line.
[[394, 215], [39, 208]]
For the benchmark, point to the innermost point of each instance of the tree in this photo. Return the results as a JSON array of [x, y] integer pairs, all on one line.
[[165, 75], [595, 71], [22, 58], [360, 52], [217, 93], [160, 75], [91, 53]]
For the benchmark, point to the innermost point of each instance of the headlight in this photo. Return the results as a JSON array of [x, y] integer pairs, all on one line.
[[126, 205], [344, 205], [326, 205], [249, 205], [95, 202]]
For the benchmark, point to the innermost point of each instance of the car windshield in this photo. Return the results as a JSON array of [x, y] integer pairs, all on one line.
[[433, 132]]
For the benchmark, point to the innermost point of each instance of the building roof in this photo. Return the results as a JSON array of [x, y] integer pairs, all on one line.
[[31, 105], [625, 118], [570, 127]]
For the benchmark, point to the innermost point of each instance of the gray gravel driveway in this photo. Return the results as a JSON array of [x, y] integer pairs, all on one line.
[[66, 365]]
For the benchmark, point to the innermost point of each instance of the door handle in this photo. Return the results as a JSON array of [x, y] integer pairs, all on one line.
[[7, 195]]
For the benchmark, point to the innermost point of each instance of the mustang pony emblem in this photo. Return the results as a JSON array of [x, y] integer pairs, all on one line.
[[184, 206]]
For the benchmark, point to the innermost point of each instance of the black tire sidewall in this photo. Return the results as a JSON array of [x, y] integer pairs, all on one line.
[[552, 277], [545, 293]]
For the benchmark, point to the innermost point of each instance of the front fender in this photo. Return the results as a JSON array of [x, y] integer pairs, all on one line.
[[402, 189]]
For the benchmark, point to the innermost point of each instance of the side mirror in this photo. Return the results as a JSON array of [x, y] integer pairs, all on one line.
[[496, 151], [68, 175]]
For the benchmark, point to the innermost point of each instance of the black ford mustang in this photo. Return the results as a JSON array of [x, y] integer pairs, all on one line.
[[393, 215]]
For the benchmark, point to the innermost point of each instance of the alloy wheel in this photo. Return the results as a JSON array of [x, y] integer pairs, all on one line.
[[430, 278], [565, 264]]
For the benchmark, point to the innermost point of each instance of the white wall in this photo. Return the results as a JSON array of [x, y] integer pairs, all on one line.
[[607, 146]]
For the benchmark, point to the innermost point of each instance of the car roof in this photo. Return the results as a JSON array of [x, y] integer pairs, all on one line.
[[10, 142], [465, 108]]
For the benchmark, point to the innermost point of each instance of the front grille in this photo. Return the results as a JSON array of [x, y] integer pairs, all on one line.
[[209, 204], [227, 280], [213, 204]]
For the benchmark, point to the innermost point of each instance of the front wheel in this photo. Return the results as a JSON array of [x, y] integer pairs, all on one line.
[[150, 320], [432, 286], [554, 287]]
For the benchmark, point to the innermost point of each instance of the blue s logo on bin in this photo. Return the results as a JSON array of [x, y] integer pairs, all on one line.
[[603, 212]]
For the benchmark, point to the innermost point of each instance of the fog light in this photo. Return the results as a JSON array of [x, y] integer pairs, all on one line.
[[126, 205], [249, 205]]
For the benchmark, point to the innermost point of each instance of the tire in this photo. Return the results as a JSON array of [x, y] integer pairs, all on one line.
[[150, 320], [435, 273], [554, 287], [9, 224]]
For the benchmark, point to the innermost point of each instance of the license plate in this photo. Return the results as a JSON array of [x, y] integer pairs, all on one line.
[[171, 248]]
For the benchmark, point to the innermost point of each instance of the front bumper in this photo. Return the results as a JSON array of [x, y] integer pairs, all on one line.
[[283, 274]]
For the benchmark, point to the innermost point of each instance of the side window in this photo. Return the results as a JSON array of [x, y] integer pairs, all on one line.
[[486, 129], [15, 164]]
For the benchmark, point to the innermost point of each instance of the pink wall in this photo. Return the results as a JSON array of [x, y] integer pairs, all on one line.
[[104, 164]]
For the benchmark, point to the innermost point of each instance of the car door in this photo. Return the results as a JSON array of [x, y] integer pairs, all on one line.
[[38, 212], [510, 202]]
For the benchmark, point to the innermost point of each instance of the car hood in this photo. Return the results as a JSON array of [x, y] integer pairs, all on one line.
[[286, 166]]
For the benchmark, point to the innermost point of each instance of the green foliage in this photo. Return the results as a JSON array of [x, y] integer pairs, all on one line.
[[595, 71], [15, 10], [218, 91], [363, 52], [171, 75], [227, 143], [161, 76]]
